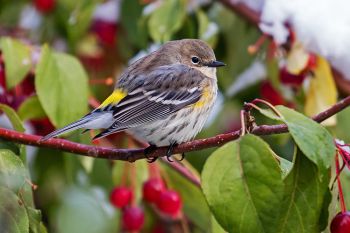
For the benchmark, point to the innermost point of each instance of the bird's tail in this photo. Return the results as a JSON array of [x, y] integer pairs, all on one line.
[[94, 120]]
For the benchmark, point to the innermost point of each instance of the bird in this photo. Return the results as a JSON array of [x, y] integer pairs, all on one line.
[[163, 98]]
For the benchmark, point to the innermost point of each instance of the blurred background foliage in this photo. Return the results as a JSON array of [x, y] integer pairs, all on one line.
[[60, 58]]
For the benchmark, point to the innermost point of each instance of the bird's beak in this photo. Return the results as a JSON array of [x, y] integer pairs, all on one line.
[[216, 64]]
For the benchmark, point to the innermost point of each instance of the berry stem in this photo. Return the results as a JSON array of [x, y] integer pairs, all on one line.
[[345, 156], [132, 176], [124, 175], [165, 177], [184, 223], [252, 49], [107, 81], [93, 102], [337, 176], [153, 169], [340, 190], [271, 50]]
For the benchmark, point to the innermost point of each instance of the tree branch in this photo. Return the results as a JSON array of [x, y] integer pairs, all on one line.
[[132, 155]]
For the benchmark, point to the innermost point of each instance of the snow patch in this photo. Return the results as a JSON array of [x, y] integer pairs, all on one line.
[[322, 26]]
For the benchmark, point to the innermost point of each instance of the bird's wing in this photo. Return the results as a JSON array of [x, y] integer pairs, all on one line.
[[163, 92]]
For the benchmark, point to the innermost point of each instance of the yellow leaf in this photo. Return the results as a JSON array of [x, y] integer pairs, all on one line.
[[322, 92], [297, 58]]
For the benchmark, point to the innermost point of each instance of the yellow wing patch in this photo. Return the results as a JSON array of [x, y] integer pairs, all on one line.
[[114, 98]]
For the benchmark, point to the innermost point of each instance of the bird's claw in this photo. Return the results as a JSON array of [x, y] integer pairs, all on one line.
[[169, 153], [149, 150], [182, 156]]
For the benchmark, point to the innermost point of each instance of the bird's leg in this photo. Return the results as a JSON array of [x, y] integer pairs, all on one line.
[[150, 150]]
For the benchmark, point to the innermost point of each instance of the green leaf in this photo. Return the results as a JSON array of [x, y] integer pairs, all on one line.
[[285, 165], [31, 109], [18, 126], [272, 68], [269, 113], [85, 211], [243, 185], [312, 138], [75, 18], [62, 87], [13, 215], [35, 224], [80, 20], [17, 59], [197, 211], [15, 148], [167, 19], [207, 31], [304, 198], [215, 226], [133, 22], [14, 176], [13, 117]]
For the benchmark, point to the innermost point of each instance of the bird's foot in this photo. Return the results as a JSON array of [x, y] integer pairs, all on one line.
[[182, 156], [149, 150], [170, 151]]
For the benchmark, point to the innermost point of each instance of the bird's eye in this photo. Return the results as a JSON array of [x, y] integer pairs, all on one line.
[[195, 60]]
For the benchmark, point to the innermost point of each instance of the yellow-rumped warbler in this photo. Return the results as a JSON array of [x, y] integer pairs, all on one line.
[[163, 98]]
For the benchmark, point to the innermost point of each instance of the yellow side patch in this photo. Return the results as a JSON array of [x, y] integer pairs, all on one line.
[[114, 98], [206, 95]]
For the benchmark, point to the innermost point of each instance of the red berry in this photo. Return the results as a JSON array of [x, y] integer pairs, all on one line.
[[120, 196], [341, 223], [133, 218], [152, 189], [270, 94], [45, 6], [169, 202]]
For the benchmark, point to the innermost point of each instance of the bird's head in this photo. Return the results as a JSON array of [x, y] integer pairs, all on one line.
[[193, 53]]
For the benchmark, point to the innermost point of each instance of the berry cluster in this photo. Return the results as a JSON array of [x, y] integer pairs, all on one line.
[[155, 193], [133, 217], [167, 201]]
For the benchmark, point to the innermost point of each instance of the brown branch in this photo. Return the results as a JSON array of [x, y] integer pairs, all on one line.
[[136, 154]]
